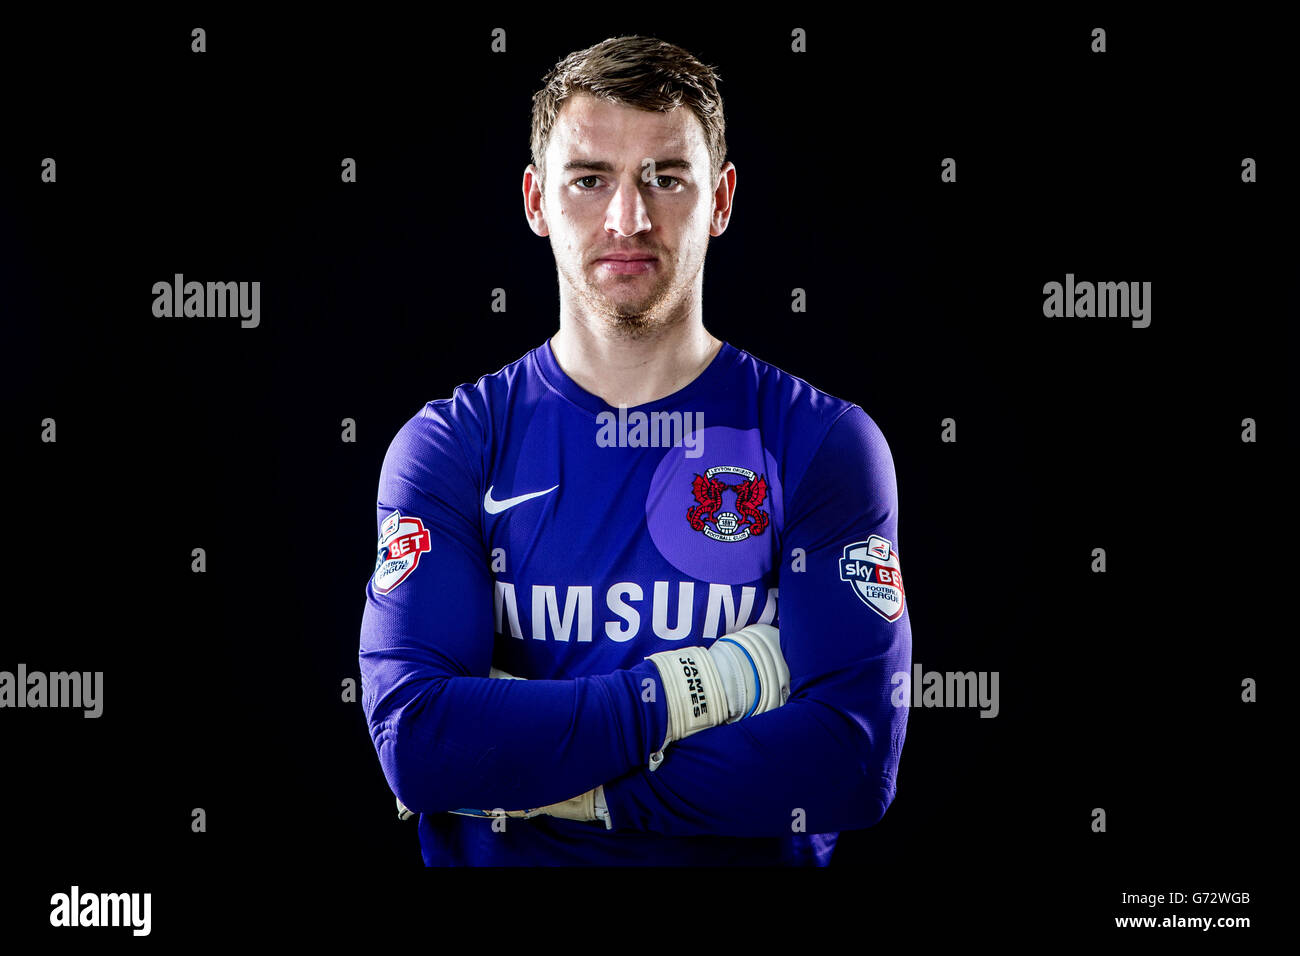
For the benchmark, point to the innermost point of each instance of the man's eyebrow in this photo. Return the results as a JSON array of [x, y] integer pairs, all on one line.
[[600, 166]]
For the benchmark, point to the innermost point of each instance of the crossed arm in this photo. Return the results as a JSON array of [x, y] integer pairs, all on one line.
[[448, 738]]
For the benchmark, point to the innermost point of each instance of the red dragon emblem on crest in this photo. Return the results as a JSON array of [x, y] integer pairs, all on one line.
[[750, 495]]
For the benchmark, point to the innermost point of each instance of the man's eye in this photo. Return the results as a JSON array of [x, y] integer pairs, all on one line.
[[595, 180]]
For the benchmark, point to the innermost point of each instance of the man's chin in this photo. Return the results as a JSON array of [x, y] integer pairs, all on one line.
[[624, 310], [639, 314], [630, 318], [633, 326]]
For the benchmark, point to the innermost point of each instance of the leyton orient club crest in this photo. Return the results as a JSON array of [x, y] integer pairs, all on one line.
[[750, 494]]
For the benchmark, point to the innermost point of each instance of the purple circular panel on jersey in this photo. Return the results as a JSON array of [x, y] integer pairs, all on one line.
[[713, 516]]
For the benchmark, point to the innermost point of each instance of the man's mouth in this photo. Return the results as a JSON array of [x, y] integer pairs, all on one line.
[[627, 264]]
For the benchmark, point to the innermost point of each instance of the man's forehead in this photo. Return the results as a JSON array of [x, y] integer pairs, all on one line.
[[586, 122]]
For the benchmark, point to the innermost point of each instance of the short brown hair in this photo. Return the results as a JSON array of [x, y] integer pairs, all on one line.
[[637, 71]]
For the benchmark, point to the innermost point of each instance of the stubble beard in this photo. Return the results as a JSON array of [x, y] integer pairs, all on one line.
[[632, 320]]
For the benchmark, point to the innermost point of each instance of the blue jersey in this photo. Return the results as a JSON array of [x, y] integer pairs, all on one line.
[[526, 524]]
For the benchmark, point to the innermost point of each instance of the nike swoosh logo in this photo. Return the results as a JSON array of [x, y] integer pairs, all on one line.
[[496, 507]]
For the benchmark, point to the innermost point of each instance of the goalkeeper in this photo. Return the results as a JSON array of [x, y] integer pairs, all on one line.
[[688, 555]]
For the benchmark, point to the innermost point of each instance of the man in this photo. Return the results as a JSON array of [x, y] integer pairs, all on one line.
[[613, 518]]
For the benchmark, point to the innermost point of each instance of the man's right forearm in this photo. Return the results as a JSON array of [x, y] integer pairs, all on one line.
[[451, 742]]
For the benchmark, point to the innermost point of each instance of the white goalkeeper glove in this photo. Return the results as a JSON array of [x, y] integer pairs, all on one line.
[[739, 675], [588, 806]]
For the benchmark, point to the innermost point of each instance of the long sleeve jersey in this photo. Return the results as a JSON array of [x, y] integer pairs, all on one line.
[[524, 523]]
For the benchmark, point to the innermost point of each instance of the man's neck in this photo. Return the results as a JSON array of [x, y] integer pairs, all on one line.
[[634, 371]]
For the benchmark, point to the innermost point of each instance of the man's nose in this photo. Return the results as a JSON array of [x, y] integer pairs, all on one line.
[[627, 213]]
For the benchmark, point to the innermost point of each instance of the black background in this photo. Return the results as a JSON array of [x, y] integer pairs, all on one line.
[[222, 690]]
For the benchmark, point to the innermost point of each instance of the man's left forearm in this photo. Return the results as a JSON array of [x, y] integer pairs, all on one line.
[[806, 767]]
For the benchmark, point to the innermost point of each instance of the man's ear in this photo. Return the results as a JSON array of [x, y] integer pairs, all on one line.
[[534, 201], [724, 196]]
